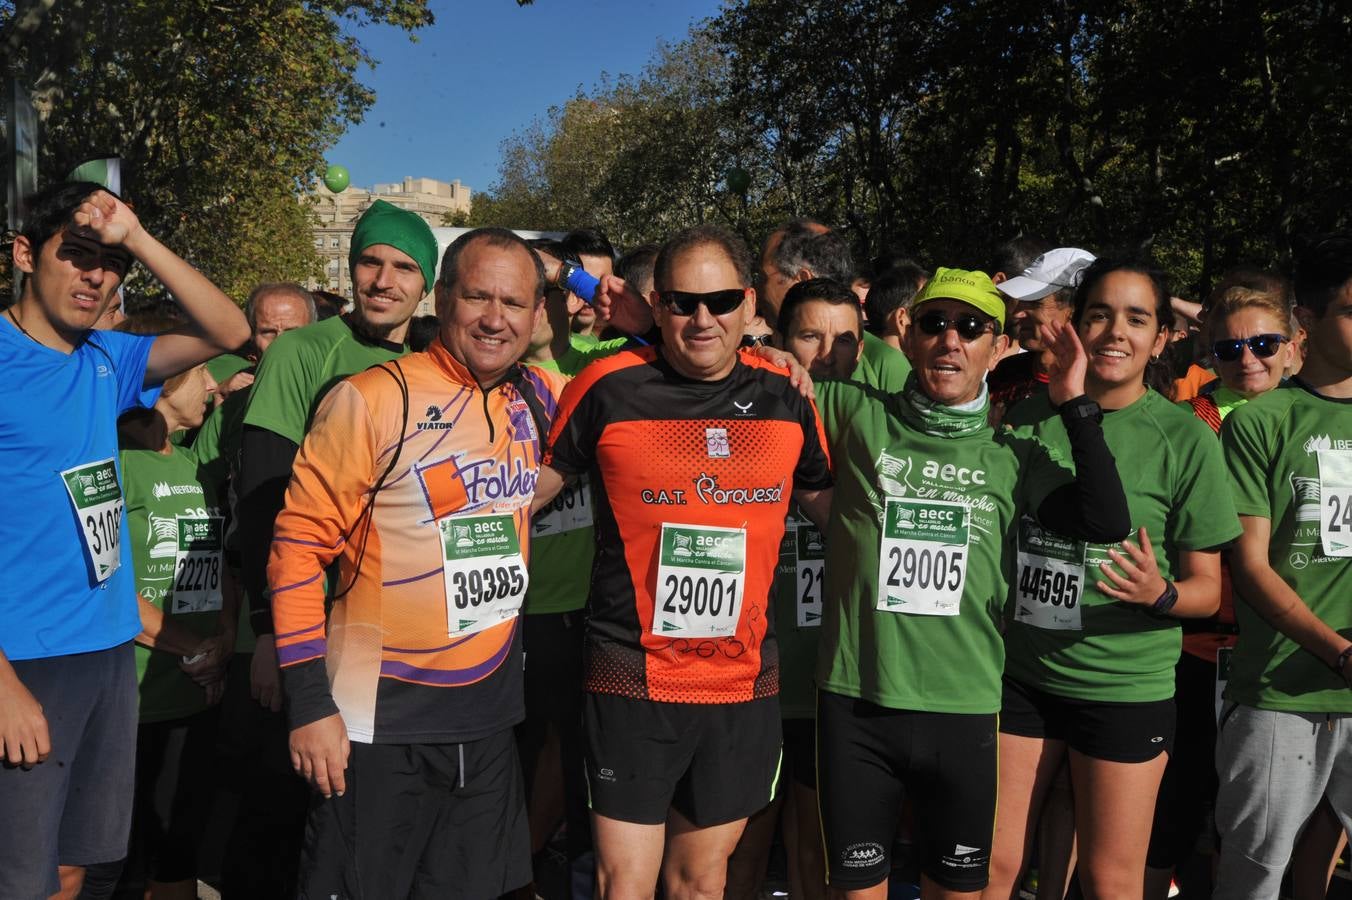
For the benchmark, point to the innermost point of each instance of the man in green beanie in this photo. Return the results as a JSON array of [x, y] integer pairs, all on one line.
[[393, 263]]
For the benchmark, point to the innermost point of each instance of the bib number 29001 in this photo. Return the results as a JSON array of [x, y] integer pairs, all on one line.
[[701, 576]]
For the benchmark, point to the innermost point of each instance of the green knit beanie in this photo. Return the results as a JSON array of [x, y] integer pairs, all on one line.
[[385, 223]]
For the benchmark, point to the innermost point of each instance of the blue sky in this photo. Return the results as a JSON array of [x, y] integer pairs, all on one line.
[[485, 70]]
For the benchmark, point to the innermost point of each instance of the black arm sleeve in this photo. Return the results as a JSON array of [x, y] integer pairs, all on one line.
[[265, 471], [1093, 506]]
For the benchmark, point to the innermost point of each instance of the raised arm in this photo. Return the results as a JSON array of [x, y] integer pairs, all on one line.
[[215, 324]]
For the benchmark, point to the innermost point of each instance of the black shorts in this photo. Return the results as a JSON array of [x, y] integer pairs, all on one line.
[[167, 831], [1188, 789], [800, 751], [421, 820], [870, 757], [1116, 732], [553, 652], [712, 762]]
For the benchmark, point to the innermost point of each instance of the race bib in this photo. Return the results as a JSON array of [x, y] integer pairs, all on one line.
[[484, 572], [1335, 502], [1050, 573], [569, 511], [197, 564], [810, 554], [701, 575], [94, 490], [922, 559]]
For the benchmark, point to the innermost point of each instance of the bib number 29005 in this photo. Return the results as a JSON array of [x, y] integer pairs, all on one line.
[[922, 558]]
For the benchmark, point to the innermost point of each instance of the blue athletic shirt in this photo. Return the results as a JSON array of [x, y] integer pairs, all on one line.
[[57, 412]]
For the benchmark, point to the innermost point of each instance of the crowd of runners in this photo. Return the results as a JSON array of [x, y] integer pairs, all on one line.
[[662, 558]]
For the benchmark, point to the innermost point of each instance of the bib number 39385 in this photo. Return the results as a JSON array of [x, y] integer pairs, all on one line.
[[1335, 502], [197, 564], [94, 490], [484, 572], [1050, 570], [701, 576], [922, 559]]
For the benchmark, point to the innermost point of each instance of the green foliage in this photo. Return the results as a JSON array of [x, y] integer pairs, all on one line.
[[221, 113], [1202, 132]]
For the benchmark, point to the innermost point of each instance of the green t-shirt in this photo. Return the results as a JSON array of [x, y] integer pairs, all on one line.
[[932, 515], [217, 448], [1289, 452], [226, 366], [301, 366], [562, 539], [882, 366], [798, 615], [162, 492], [1103, 649]]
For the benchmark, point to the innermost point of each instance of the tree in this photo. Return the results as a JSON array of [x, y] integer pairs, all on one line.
[[1202, 132], [221, 119]]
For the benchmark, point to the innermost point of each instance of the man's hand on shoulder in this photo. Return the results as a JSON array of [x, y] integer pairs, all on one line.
[[24, 739], [624, 307], [798, 376], [319, 753]]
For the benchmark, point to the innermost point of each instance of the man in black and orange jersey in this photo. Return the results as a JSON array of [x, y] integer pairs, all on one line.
[[694, 451], [417, 477]]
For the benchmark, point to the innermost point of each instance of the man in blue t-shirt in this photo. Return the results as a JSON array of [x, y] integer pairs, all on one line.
[[68, 609]]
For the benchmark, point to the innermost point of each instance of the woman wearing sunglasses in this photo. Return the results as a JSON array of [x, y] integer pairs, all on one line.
[[1093, 632]]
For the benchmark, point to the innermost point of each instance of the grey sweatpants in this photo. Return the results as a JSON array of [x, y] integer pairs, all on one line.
[[1274, 767]]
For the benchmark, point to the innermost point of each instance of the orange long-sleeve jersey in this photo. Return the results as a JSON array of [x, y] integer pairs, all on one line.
[[416, 441]]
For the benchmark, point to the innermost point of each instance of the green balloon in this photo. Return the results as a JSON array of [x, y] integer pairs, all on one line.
[[739, 180], [336, 178]]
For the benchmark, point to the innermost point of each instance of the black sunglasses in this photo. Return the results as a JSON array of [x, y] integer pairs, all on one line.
[[755, 340], [719, 303], [969, 326], [1263, 346]]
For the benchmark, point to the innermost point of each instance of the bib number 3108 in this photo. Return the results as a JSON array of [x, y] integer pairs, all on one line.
[[922, 558], [97, 497], [701, 576]]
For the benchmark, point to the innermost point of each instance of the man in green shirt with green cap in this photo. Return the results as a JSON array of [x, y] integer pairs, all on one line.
[[393, 262], [917, 558]]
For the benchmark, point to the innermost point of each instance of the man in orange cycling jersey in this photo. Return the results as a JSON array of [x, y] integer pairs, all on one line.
[[417, 477], [694, 450]]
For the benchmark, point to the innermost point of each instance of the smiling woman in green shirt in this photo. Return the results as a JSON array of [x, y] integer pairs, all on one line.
[[1093, 632]]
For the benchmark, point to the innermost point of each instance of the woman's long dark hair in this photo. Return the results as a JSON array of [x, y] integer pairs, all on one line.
[[1158, 372]]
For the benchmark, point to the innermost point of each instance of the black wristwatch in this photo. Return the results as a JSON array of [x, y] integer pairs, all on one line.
[[566, 269], [1079, 408]]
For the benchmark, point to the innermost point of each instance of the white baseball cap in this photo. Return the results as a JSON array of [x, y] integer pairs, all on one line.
[[1053, 271]]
